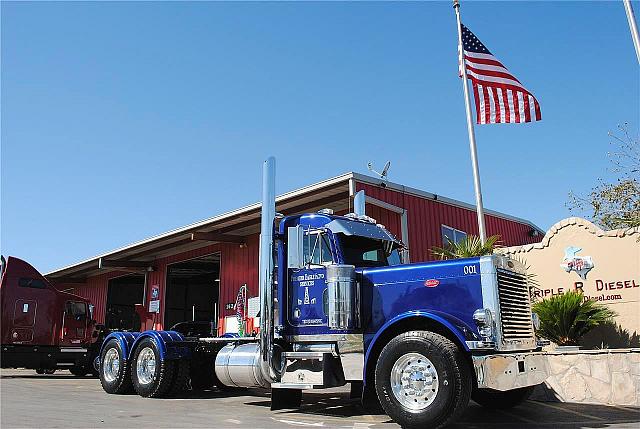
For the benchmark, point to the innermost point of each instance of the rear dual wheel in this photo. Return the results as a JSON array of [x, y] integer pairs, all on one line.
[[153, 377], [114, 369]]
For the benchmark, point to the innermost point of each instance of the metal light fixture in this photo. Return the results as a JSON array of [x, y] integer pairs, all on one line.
[[484, 320]]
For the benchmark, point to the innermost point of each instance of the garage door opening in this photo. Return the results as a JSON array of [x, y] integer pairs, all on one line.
[[123, 294], [192, 291]]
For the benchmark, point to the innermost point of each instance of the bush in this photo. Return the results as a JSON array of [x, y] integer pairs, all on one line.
[[468, 247], [566, 318]]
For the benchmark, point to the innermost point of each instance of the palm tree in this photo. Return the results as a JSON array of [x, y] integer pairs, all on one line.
[[468, 247], [566, 318]]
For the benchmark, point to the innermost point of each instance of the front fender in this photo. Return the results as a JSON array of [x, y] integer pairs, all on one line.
[[454, 325], [170, 344]]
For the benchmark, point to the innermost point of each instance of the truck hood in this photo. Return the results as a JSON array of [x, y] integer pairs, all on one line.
[[448, 290]]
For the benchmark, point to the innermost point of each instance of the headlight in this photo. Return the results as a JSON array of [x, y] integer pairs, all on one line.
[[484, 321], [536, 320]]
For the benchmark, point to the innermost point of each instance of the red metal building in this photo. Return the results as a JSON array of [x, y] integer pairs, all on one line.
[[195, 272]]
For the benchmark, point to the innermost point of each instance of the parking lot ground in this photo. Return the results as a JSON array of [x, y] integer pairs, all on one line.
[[61, 400]]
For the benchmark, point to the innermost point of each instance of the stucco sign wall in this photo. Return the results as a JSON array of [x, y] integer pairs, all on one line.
[[604, 265]]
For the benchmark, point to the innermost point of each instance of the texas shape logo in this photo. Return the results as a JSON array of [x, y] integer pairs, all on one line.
[[572, 262]]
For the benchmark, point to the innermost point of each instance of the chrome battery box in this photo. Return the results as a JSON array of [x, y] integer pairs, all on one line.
[[311, 369]]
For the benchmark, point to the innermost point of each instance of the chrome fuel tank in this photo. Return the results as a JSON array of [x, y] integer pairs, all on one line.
[[239, 365]]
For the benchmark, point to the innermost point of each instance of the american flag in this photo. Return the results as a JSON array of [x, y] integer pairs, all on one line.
[[499, 95]]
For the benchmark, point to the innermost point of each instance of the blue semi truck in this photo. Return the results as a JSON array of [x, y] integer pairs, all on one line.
[[338, 306]]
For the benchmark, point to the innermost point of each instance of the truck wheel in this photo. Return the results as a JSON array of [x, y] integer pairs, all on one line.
[[151, 377], [422, 380], [498, 400], [114, 370]]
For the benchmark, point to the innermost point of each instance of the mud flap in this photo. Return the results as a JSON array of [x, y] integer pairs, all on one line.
[[285, 398]]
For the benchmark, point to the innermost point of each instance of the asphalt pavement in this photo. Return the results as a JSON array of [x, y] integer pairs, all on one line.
[[62, 400]]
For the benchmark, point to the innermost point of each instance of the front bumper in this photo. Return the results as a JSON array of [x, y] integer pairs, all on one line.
[[510, 371]]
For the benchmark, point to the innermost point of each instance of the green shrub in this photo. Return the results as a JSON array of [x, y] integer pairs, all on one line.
[[565, 318], [468, 247]]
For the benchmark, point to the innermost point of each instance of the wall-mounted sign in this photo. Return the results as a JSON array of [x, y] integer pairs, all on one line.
[[155, 292], [230, 306], [253, 307], [154, 306], [572, 262]]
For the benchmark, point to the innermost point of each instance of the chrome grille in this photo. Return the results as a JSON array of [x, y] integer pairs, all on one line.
[[515, 308]]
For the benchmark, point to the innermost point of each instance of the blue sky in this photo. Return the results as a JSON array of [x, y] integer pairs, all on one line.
[[124, 120]]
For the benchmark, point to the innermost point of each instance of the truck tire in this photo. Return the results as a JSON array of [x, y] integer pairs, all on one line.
[[151, 376], [498, 400], [423, 380], [115, 374]]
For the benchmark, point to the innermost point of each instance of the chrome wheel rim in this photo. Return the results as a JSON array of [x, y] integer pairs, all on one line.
[[111, 365], [146, 366], [414, 381]]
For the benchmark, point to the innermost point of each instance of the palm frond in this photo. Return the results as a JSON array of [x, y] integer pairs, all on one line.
[[566, 318], [468, 247]]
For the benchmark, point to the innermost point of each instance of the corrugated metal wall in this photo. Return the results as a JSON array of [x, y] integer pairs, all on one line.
[[95, 290], [239, 265], [425, 217]]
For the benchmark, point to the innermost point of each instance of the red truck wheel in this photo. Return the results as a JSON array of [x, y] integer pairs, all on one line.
[[422, 380], [114, 370]]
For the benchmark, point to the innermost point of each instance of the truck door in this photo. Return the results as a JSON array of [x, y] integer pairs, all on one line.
[[75, 320], [24, 320], [307, 286]]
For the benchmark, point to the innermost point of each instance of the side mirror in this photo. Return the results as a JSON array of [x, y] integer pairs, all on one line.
[[295, 247]]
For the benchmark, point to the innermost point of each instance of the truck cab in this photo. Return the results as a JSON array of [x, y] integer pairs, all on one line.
[[42, 328]]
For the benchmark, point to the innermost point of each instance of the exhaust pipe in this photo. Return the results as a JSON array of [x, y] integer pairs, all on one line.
[[252, 364], [359, 204], [265, 276]]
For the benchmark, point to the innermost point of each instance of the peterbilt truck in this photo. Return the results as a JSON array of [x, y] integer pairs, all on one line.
[[338, 306], [43, 328]]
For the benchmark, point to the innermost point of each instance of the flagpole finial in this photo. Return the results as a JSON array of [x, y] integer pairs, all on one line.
[[456, 3]]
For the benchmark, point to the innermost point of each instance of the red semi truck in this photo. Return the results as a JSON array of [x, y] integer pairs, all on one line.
[[43, 328]]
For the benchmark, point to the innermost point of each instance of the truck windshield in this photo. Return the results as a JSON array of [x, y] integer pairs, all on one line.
[[367, 252], [77, 310]]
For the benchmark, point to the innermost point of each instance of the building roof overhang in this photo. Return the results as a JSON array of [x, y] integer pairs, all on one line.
[[234, 225]]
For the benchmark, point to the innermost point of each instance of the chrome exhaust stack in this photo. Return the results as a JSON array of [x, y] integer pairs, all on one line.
[[252, 364], [359, 204], [265, 275]]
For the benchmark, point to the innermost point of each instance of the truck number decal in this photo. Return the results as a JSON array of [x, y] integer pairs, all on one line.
[[470, 269]]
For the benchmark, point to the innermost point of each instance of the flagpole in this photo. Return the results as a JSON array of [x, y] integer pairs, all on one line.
[[633, 28], [472, 134]]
